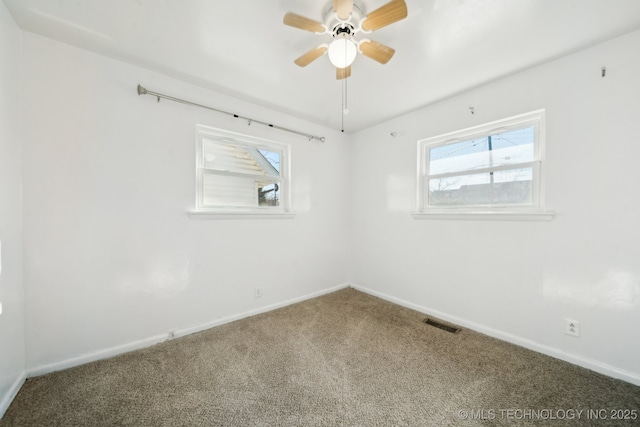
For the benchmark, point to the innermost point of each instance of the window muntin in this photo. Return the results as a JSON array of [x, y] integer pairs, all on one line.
[[491, 167], [240, 173]]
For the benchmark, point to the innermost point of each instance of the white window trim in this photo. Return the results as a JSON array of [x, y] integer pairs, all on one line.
[[537, 212], [240, 215], [259, 212]]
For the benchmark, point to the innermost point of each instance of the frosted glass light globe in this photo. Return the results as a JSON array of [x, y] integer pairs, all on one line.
[[342, 51]]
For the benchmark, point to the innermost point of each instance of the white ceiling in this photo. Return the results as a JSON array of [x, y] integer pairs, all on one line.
[[241, 47]]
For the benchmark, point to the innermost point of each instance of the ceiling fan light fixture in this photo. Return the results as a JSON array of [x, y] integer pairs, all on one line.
[[342, 51]]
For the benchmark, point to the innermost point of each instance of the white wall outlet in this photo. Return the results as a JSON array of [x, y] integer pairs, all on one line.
[[572, 327], [258, 292], [0, 307]]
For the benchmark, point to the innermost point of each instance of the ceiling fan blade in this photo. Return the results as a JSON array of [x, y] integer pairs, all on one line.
[[298, 21], [343, 8], [376, 51], [343, 73], [391, 12], [311, 56]]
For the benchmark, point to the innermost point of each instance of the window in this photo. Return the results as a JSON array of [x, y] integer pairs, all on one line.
[[238, 174], [493, 169]]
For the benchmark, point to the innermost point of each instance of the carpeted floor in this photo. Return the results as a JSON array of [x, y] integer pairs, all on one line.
[[346, 359]]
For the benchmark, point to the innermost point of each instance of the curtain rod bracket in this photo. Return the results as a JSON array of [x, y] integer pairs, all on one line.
[[144, 91]]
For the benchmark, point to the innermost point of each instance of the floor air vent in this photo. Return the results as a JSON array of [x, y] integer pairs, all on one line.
[[439, 325]]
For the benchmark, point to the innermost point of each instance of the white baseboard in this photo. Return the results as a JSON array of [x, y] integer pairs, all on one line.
[[6, 400], [594, 365], [147, 342], [93, 356]]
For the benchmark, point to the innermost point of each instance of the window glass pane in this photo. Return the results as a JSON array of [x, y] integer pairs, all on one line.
[[240, 159], [273, 159], [221, 190], [268, 194], [506, 148], [239, 171], [241, 191], [512, 187]]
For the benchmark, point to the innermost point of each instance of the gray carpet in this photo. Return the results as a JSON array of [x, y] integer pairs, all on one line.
[[346, 358]]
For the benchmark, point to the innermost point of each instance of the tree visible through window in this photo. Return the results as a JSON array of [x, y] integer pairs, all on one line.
[[269, 194]]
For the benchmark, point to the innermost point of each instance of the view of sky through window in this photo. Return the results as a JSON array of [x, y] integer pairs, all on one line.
[[272, 157], [511, 147]]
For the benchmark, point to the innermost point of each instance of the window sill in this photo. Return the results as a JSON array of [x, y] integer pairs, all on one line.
[[240, 215], [487, 215]]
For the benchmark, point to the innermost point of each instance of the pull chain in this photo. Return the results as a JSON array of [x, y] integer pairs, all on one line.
[[345, 107], [346, 72]]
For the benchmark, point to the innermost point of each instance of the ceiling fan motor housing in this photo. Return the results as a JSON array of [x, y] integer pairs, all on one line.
[[352, 23], [343, 28]]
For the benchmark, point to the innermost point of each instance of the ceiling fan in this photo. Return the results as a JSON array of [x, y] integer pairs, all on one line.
[[344, 19]]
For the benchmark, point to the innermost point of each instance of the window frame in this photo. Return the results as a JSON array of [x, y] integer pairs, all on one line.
[[283, 210], [533, 211]]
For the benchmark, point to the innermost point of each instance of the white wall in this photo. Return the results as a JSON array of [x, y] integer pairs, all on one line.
[[519, 280], [113, 259], [12, 364]]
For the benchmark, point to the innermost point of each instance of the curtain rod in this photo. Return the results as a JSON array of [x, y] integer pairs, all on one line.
[[143, 91]]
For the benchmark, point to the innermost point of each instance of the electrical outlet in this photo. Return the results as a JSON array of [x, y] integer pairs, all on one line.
[[258, 292], [572, 327]]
